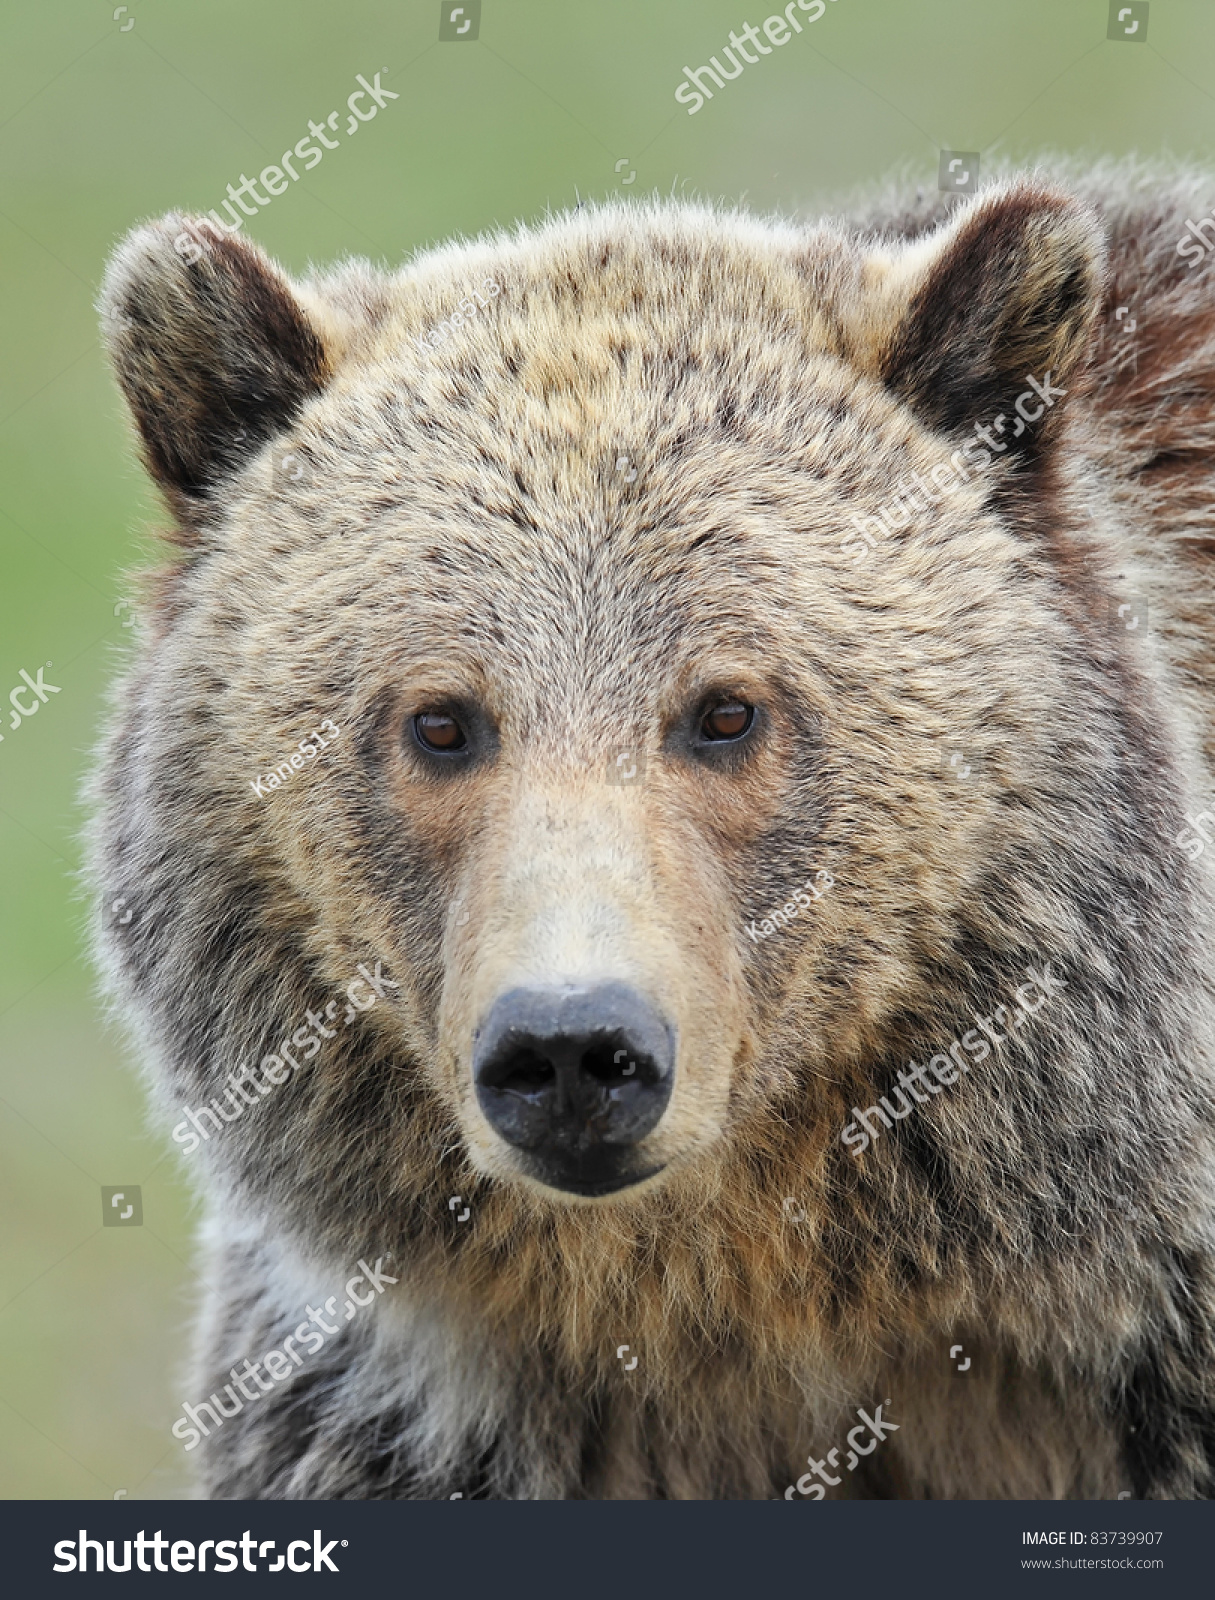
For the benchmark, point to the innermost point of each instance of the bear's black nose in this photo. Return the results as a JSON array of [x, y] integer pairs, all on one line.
[[575, 1077]]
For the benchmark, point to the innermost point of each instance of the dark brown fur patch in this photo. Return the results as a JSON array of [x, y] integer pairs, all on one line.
[[1014, 293], [215, 356]]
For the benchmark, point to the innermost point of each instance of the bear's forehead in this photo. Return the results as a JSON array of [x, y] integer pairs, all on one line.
[[631, 389], [625, 334], [637, 442], [496, 577], [688, 276]]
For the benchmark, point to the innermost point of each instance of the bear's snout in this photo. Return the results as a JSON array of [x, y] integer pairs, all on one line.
[[576, 1078]]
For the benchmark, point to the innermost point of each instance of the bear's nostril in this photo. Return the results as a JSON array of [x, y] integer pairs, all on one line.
[[576, 1073], [610, 1066], [523, 1072]]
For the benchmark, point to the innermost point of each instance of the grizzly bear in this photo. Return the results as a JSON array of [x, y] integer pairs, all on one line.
[[650, 789]]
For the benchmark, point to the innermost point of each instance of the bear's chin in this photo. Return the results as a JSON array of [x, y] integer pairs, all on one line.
[[553, 1181]]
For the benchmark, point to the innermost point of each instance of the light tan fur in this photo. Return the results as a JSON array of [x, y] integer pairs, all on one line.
[[464, 529]]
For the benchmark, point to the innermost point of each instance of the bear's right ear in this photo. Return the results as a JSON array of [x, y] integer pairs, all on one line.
[[214, 352], [1003, 296]]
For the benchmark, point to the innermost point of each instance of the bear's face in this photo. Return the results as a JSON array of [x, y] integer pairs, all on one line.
[[626, 722]]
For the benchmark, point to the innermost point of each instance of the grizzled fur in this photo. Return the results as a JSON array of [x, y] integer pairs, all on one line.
[[626, 487]]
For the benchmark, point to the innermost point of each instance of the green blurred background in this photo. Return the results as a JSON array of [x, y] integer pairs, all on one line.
[[103, 123]]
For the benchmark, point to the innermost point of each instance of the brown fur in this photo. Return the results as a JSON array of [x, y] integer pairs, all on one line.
[[463, 534]]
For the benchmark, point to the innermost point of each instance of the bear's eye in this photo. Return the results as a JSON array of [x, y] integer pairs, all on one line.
[[729, 720], [435, 730]]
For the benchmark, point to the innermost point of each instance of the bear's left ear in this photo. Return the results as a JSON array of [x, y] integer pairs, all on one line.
[[214, 351], [995, 308]]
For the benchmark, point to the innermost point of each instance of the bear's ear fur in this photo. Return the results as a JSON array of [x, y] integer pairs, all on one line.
[[959, 322], [213, 349]]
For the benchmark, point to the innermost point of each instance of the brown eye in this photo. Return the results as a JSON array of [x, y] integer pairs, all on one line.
[[730, 720], [436, 731]]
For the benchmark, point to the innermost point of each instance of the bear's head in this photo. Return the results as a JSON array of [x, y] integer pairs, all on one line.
[[655, 607]]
